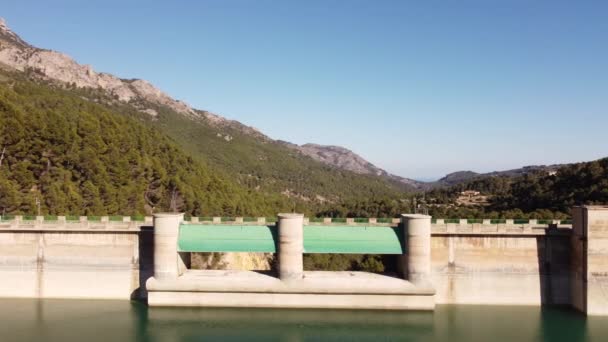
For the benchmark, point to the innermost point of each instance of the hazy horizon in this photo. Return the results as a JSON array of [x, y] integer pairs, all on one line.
[[419, 90]]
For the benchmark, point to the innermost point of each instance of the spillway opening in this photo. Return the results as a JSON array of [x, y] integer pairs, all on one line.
[[235, 261], [373, 263]]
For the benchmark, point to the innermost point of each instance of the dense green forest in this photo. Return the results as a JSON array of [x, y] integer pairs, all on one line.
[[78, 157]]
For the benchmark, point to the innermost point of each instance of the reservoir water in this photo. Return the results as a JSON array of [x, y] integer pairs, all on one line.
[[108, 321]]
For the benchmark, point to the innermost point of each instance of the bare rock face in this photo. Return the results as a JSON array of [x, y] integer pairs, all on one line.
[[342, 158], [8, 36], [56, 66], [345, 159], [233, 261]]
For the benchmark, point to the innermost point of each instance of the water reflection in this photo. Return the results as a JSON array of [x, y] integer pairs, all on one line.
[[75, 320]]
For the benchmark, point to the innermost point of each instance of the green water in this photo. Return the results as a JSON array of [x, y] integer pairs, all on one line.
[[109, 321]]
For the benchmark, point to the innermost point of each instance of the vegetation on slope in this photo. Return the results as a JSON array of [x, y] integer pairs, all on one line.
[[260, 163], [256, 162], [539, 194], [78, 157]]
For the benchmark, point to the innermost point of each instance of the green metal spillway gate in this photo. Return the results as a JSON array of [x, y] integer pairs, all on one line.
[[317, 239]]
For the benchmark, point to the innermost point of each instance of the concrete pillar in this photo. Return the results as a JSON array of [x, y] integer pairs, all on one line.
[[291, 246], [589, 260], [416, 262], [166, 231]]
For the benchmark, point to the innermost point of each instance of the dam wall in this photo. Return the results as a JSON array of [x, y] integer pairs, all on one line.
[[510, 262], [74, 259], [521, 265]]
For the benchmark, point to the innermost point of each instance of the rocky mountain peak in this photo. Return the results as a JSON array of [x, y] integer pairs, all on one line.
[[8, 37], [56, 66]]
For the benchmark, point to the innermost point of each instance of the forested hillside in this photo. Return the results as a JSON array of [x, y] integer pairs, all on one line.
[[255, 161], [78, 157], [261, 163], [534, 194]]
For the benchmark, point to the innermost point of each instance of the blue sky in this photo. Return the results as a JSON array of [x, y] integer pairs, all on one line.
[[418, 88]]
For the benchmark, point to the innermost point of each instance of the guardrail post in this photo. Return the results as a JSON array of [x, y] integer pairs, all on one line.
[[166, 232], [39, 221], [105, 220], [291, 246], [416, 262]]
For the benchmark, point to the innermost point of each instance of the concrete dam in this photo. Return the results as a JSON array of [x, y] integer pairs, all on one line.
[[510, 262]]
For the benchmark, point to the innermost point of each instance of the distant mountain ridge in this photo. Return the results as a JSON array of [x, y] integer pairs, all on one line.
[[343, 158], [464, 176]]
